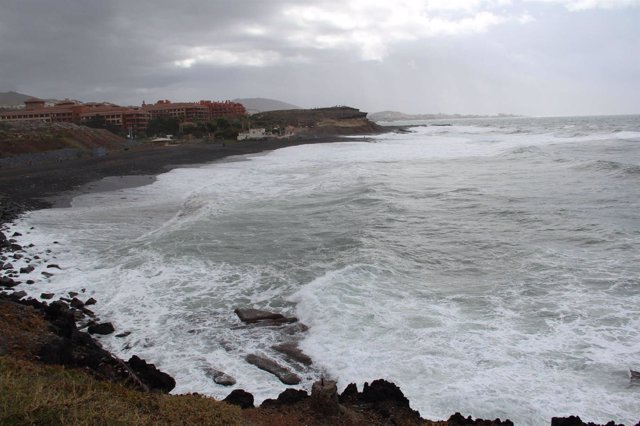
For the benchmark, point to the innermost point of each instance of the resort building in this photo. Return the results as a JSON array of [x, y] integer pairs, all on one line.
[[127, 118], [195, 111]]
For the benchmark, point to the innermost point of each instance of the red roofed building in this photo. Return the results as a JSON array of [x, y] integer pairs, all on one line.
[[195, 111]]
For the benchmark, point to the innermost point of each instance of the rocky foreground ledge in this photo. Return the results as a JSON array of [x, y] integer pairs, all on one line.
[[53, 372], [40, 333]]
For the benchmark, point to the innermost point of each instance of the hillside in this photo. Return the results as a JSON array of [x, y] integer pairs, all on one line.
[[339, 120], [256, 105], [12, 99], [35, 142]]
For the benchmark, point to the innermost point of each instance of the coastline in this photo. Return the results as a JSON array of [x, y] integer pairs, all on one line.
[[54, 185]]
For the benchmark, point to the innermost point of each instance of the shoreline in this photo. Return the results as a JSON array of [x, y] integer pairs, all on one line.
[[144, 172], [54, 184]]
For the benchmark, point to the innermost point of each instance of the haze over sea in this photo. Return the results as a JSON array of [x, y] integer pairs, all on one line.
[[490, 267]]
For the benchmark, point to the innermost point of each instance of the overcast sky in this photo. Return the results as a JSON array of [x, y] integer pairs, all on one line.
[[532, 57]]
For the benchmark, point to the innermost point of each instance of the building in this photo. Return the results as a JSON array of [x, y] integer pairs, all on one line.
[[126, 118], [195, 111], [259, 133], [130, 119]]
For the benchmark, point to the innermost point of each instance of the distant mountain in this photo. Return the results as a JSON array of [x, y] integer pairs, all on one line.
[[12, 99], [255, 105], [400, 116]]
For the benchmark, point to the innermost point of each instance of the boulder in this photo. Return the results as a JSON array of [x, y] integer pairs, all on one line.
[[7, 282], [47, 296], [155, 379], [219, 377], [269, 365], [240, 398], [104, 328], [349, 394], [381, 390], [576, 421], [27, 269], [76, 303], [19, 294], [293, 352], [253, 316], [324, 398], [90, 301], [288, 397]]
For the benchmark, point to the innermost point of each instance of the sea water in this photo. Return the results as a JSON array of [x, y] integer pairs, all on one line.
[[490, 267]]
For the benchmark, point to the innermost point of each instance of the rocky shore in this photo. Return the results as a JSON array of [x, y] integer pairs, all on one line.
[[37, 332]]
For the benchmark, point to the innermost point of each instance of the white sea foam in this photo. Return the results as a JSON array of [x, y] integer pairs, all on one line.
[[473, 266]]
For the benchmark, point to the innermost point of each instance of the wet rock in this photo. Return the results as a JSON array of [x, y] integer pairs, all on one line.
[[17, 256], [324, 398], [151, 376], [266, 364], [104, 328], [76, 303], [90, 301], [125, 334], [20, 294], [458, 420], [72, 294], [576, 421], [54, 266], [17, 234], [255, 316], [241, 398], [61, 319], [381, 390], [7, 266], [47, 296], [288, 397], [293, 352], [30, 282], [88, 312], [219, 377], [15, 247], [27, 269], [47, 274], [350, 394], [7, 282]]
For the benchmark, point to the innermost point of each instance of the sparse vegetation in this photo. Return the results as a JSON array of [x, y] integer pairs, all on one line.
[[33, 394]]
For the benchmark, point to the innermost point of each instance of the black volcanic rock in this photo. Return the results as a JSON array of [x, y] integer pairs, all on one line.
[[577, 421], [459, 420], [151, 376], [266, 364], [381, 390], [288, 397], [241, 398], [253, 316], [7, 282], [103, 328]]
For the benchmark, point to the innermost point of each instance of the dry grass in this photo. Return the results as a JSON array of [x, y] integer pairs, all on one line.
[[31, 394]]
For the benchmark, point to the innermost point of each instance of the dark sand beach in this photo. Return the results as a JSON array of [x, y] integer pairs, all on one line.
[[56, 183]]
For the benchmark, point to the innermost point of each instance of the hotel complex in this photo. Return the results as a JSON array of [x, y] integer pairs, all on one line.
[[128, 118]]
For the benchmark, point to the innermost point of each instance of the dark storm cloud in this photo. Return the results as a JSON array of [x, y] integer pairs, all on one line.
[[476, 56]]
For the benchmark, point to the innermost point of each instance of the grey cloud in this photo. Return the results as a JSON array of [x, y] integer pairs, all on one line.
[[562, 62]]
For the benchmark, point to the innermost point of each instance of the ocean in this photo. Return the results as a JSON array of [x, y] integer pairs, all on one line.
[[487, 266]]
